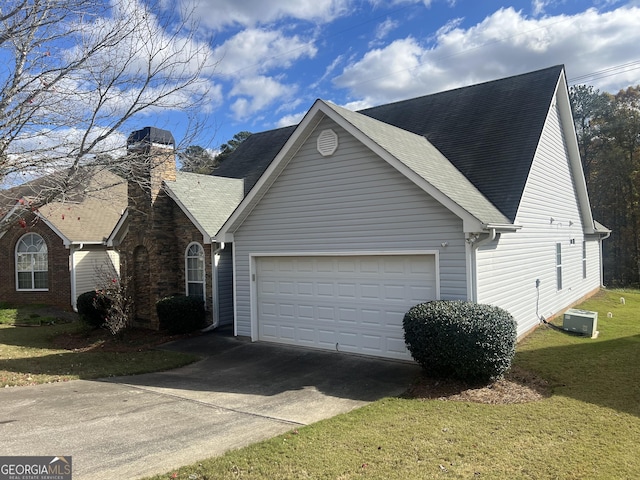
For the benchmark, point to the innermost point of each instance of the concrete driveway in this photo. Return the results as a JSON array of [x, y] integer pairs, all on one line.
[[240, 393]]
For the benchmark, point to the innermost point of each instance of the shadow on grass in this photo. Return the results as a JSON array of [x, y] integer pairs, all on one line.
[[35, 315], [600, 372], [90, 365]]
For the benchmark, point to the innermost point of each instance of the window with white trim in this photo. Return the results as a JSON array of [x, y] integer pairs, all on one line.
[[584, 259], [32, 263], [559, 265], [194, 270]]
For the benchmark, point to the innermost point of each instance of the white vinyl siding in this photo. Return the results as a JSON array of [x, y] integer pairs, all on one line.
[[90, 267], [350, 201], [549, 214]]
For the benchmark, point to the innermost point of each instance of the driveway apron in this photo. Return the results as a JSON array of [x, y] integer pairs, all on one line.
[[239, 393]]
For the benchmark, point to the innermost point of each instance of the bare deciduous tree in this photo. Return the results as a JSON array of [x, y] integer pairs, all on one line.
[[75, 75]]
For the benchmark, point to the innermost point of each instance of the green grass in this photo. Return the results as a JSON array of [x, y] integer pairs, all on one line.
[[588, 429], [27, 316], [28, 355]]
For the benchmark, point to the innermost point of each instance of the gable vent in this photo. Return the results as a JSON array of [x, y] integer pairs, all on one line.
[[327, 142]]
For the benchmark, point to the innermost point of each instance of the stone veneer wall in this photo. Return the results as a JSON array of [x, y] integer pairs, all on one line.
[[149, 253], [59, 292]]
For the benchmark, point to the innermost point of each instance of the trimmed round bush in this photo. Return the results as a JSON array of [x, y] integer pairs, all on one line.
[[465, 340], [93, 308], [180, 314]]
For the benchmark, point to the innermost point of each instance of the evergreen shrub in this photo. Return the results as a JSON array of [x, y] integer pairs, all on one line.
[[465, 340], [180, 314], [93, 308]]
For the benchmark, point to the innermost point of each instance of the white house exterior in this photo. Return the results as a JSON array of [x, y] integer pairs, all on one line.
[[356, 220]]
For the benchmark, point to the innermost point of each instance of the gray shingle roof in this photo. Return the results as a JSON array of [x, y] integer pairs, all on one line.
[[489, 132], [209, 200], [90, 211], [256, 153]]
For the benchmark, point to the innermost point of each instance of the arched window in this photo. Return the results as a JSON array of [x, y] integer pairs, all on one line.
[[194, 270], [32, 264]]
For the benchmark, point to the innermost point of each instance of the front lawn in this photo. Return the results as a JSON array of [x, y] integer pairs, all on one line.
[[589, 428], [39, 346]]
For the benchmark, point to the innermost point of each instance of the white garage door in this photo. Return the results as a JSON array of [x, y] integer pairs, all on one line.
[[350, 304]]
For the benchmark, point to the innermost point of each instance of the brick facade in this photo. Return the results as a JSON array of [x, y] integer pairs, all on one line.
[[59, 291], [187, 233]]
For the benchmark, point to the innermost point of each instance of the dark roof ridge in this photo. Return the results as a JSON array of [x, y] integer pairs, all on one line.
[[558, 67]]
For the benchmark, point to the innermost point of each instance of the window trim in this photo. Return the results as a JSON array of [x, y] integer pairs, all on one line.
[[584, 260], [187, 257], [32, 271], [559, 266]]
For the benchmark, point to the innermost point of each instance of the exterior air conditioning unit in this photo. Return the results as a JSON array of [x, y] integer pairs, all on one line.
[[581, 321]]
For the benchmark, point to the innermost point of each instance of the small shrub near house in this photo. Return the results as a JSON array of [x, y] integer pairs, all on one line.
[[465, 340], [181, 314], [109, 306], [93, 308]]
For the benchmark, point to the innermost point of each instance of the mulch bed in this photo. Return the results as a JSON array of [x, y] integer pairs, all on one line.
[[517, 386], [99, 339]]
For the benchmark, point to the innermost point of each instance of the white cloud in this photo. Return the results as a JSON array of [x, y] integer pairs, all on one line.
[[383, 30], [292, 119], [538, 6], [506, 42], [254, 51], [218, 14], [256, 93]]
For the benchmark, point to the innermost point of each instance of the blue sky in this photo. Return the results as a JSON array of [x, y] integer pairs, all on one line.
[[275, 57], [268, 60]]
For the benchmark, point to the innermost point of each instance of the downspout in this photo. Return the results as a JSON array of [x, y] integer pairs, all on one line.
[[602, 238], [215, 307], [475, 244], [72, 275]]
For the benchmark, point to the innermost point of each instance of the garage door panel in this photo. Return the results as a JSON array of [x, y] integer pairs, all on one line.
[[355, 302], [306, 312], [325, 289], [305, 288], [347, 290]]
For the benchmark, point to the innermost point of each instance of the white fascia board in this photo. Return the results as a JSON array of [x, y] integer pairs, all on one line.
[[7, 217], [111, 239], [571, 138], [206, 238], [66, 241]]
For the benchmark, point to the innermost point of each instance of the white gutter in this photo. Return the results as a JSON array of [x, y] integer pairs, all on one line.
[[75, 246], [473, 243]]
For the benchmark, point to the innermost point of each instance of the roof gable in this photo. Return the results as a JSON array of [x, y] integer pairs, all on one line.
[[435, 174], [489, 132], [87, 215], [207, 200]]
